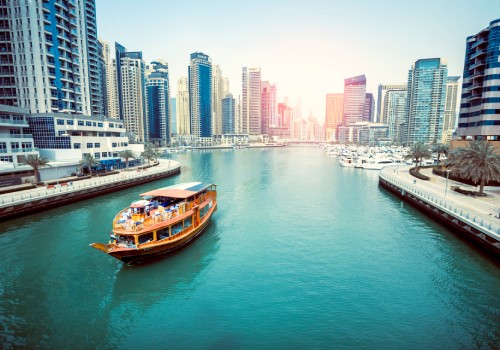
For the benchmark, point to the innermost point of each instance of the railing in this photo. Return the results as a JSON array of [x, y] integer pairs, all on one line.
[[7, 200], [447, 206]]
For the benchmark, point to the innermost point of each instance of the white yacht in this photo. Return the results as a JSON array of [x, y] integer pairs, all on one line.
[[347, 161], [378, 163]]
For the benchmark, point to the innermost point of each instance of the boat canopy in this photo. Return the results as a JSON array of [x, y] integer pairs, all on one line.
[[181, 191], [140, 204]]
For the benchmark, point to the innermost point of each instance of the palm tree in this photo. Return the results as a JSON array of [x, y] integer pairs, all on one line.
[[36, 162], [440, 149], [478, 162], [88, 161], [126, 154], [150, 152], [417, 152]]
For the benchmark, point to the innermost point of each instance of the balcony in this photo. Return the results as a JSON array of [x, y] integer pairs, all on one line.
[[480, 42], [478, 54], [11, 121], [20, 136]]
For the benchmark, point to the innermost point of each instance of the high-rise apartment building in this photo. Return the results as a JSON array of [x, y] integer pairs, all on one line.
[[394, 110], [182, 103], [200, 95], [354, 99], [251, 100], [217, 95], [50, 49], [480, 104], [228, 115], [158, 121], [268, 105], [450, 108], [132, 95], [111, 107], [173, 114], [368, 115], [334, 115], [381, 99], [425, 102]]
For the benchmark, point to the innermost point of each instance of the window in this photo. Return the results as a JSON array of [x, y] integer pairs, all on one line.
[[88, 123], [94, 124], [27, 146], [176, 228], [60, 121], [14, 146], [146, 238], [69, 122], [187, 222], [113, 144], [97, 155], [90, 145], [6, 159], [105, 154], [111, 125], [97, 145], [80, 122], [100, 125], [162, 234], [3, 147], [77, 146], [15, 131]]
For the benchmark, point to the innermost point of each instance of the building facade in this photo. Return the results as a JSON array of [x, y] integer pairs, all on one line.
[[228, 115], [53, 56], [425, 102], [479, 117], [182, 103], [334, 115], [251, 100], [394, 110], [158, 117], [369, 113], [354, 99], [268, 105], [450, 109], [381, 101], [200, 95]]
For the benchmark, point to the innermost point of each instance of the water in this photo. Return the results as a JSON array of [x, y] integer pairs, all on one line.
[[301, 253]]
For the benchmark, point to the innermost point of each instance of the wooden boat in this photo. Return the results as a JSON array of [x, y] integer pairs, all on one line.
[[164, 220]]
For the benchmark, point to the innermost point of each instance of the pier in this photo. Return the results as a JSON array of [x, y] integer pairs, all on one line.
[[476, 219], [25, 202]]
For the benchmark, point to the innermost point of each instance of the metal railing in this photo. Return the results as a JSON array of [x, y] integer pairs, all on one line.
[[474, 218], [66, 187]]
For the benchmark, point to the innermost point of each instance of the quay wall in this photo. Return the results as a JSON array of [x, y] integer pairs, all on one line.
[[34, 201], [481, 230]]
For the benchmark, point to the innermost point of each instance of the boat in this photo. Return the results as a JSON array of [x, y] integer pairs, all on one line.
[[347, 162], [162, 221], [378, 163]]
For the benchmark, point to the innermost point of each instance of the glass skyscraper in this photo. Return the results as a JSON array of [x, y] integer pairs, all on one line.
[[480, 104], [200, 94], [425, 102], [228, 109], [158, 117], [354, 99]]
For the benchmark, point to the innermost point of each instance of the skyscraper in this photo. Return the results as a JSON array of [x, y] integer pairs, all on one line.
[[200, 95], [173, 114], [251, 100], [425, 101], [54, 58], [182, 101], [109, 75], [354, 99], [369, 113], [217, 95], [268, 105], [394, 110], [334, 115], [450, 108], [158, 118], [228, 115], [132, 95], [480, 105], [381, 104]]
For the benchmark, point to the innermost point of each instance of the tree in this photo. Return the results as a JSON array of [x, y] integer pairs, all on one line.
[[478, 162], [417, 152], [150, 152], [126, 154], [88, 161], [36, 162], [440, 149]]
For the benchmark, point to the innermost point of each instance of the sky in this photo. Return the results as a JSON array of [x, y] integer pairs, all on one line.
[[307, 48]]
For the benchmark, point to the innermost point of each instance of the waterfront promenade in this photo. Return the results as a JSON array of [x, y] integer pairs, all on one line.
[[479, 213], [25, 201]]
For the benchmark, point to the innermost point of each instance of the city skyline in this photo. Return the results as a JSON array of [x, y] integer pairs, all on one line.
[[304, 49]]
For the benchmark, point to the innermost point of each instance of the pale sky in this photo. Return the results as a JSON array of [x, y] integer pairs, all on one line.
[[307, 48]]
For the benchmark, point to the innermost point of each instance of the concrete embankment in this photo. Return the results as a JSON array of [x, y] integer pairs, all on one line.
[[35, 200], [469, 217]]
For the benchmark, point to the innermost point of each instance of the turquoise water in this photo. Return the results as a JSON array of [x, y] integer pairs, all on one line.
[[301, 253]]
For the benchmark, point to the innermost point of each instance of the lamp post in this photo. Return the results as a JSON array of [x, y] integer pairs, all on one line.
[[447, 176]]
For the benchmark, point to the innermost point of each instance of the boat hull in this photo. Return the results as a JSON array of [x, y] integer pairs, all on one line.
[[137, 255]]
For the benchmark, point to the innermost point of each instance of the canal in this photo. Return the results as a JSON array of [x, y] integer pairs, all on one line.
[[301, 253]]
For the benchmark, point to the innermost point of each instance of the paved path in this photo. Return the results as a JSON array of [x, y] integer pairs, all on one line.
[[8, 199]]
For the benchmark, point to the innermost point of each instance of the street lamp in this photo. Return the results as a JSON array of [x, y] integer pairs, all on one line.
[[447, 176]]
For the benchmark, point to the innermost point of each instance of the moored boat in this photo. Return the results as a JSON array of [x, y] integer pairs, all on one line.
[[163, 220]]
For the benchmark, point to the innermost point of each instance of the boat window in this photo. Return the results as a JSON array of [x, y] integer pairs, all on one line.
[[176, 228], [187, 222], [162, 234], [146, 237]]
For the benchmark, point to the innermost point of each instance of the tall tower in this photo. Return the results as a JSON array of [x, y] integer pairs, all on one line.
[[251, 100], [480, 104], [425, 102], [354, 99], [368, 114], [267, 106], [394, 113], [200, 95], [109, 76], [217, 95], [382, 91], [132, 94], [182, 101], [158, 118], [228, 115], [450, 108], [54, 55], [334, 115]]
